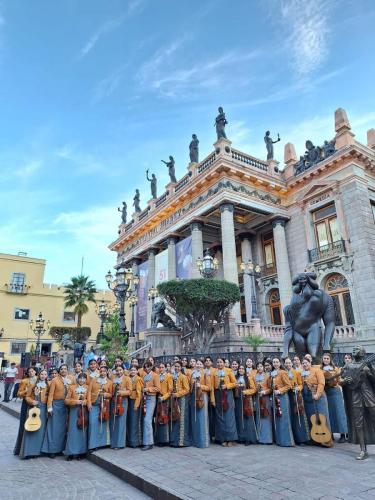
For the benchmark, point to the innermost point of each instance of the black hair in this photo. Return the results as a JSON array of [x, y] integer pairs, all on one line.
[[82, 375], [62, 366]]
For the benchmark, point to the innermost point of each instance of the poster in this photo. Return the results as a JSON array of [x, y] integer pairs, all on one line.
[[184, 259], [142, 297], [161, 267]]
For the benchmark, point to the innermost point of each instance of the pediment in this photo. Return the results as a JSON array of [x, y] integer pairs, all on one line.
[[314, 189]]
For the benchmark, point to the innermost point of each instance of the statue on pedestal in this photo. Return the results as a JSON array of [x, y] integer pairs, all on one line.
[[158, 315], [136, 201], [194, 149], [328, 148], [171, 169], [269, 144], [153, 184], [220, 123], [309, 307], [124, 212], [358, 382]]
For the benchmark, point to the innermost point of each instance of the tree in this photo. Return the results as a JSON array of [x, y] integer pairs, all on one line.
[[114, 343], [200, 303], [77, 293], [255, 341], [76, 334]]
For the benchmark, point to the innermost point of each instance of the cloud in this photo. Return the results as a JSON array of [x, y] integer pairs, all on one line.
[[161, 74], [29, 169], [308, 22], [109, 26], [105, 87], [83, 163]]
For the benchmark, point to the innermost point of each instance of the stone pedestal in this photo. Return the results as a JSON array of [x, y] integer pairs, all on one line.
[[68, 357], [151, 203], [164, 342]]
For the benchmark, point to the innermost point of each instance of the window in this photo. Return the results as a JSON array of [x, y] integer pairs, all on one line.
[[326, 226], [23, 314], [337, 288], [69, 316], [18, 347], [275, 307], [268, 250], [45, 349], [373, 209], [17, 283]]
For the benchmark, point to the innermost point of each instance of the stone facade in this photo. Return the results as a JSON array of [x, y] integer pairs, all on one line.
[[314, 214]]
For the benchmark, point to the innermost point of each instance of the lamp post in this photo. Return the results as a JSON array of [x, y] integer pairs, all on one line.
[[253, 270], [133, 300], [124, 280], [208, 266], [39, 330], [103, 313]]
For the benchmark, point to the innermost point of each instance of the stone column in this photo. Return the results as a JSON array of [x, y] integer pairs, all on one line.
[[172, 258], [150, 281], [219, 257], [228, 243], [246, 255], [196, 246], [282, 262]]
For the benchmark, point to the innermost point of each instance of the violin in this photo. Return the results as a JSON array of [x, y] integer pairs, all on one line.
[[224, 396], [175, 407], [82, 418], [263, 410], [278, 410], [162, 417], [247, 407], [118, 409], [104, 413], [199, 399]]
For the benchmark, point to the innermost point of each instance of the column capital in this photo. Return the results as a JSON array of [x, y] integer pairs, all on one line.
[[227, 206], [172, 240], [246, 236], [135, 262], [196, 225], [279, 221], [152, 252]]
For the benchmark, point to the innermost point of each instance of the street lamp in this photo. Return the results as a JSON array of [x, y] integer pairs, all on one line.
[[133, 299], [103, 313], [208, 266], [39, 330], [124, 280], [253, 270]]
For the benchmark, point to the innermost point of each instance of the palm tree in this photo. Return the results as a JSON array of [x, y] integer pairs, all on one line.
[[77, 293], [255, 341]]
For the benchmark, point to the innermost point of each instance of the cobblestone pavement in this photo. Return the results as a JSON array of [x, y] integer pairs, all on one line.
[[44, 478], [254, 472]]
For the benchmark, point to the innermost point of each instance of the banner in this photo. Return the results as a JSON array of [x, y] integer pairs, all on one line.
[[142, 297], [184, 259], [161, 267]]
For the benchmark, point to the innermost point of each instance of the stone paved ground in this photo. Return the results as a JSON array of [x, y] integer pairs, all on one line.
[[43, 478], [253, 472]]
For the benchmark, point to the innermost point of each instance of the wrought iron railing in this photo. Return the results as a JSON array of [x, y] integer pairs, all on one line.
[[18, 288], [326, 251], [268, 270]]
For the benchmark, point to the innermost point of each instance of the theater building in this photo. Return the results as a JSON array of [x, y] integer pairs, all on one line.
[[314, 213]]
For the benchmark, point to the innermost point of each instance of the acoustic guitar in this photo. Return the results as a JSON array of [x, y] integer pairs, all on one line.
[[33, 422], [320, 432]]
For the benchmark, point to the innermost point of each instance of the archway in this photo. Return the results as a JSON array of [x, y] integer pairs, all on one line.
[[274, 305], [337, 287]]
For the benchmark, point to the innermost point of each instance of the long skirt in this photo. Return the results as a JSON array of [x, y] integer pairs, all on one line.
[[282, 423], [225, 421], [21, 428], [336, 408], [118, 426], [134, 428], [148, 433], [321, 405], [76, 440], [32, 441], [98, 431], [300, 424], [264, 423], [200, 435], [55, 436], [180, 429], [246, 429], [162, 430]]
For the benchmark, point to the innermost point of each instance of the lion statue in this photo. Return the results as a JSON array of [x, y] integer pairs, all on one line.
[[158, 315], [309, 307]]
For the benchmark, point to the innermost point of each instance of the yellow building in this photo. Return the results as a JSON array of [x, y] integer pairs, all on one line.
[[23, 295]]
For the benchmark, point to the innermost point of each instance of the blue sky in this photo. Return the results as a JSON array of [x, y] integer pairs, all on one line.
[[92, 93]]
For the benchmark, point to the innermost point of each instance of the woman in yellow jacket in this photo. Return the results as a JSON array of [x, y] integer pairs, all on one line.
[[225, 420], [134, 435], [300, 425], [200, 391], [180, 425], [25, 383], [163, 406]]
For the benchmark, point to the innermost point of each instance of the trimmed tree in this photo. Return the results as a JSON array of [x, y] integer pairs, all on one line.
[[77, 293], [201, 303], [255, 341], [114, 343]]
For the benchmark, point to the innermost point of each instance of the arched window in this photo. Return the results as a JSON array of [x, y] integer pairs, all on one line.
[[337, 288], [275, 307]]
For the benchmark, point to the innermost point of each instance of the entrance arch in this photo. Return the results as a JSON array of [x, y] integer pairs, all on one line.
[[337, 287]]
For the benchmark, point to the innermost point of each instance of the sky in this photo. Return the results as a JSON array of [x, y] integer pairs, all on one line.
[[93, 93]]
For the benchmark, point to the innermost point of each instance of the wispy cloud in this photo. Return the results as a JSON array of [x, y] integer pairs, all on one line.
[[110, 25], [105, 87], [163, 72], [83, 163], [29, 169], [308, 22]]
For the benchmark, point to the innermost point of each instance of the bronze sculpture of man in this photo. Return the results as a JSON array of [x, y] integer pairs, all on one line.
[[194, 149], [303, 317], [269, 144], [153, 182], [136, 201], [358, 382], [220, 123], [171, 169]]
